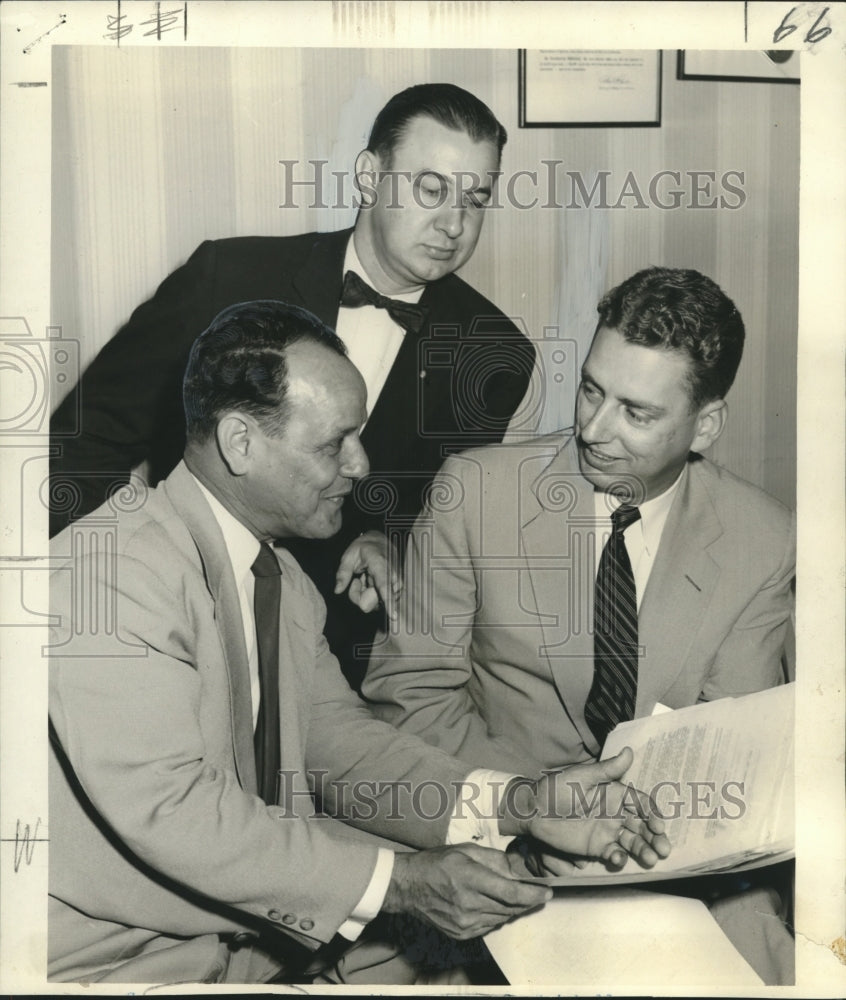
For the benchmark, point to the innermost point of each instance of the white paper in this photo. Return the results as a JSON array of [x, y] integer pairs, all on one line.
[[605, 939]]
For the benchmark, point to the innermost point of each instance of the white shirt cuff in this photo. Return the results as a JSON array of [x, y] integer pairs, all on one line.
[[374, 895], [475, 818]]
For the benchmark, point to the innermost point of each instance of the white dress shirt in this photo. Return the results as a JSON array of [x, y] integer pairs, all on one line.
[[372, 338], [475, 814], [642, 538]]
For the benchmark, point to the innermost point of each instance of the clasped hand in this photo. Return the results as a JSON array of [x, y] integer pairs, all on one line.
[[582, 812], [366, 568]]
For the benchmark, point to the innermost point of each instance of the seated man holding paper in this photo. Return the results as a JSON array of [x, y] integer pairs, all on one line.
[[557, 587]]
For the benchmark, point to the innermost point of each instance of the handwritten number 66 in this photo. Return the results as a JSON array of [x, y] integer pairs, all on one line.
[[816, 34]]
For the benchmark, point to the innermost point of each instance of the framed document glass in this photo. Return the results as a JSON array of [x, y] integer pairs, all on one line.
[[742, 65], [586, 88]]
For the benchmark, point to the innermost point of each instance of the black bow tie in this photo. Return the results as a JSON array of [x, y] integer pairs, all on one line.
[[357, 292]]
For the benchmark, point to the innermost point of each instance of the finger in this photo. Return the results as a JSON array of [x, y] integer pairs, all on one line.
[[362, 596], [543, 860], [512, 896], [368, 600], [530, 854], [347, 568], [493, 880], [614, 856], [614, 768], [661, 845], [525, 862], [656, 824], [355, 591], [384, 583], [637, 847], [638, 803], [553, 864], [519, 865], [391, 604], [651, 829]]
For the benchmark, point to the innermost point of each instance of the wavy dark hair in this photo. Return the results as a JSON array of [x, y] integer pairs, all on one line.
[[680, 310], [239, 363]]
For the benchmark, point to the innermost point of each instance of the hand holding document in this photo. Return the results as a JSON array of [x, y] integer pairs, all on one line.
[[563, 817], [721, 776]]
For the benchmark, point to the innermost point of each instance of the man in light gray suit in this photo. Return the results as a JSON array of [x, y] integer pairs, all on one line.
[[195, 722], [493, 655], [496, 656]]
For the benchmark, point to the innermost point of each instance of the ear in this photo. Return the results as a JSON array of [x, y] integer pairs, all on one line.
[[236, 441], [709, 424], [367, 169]]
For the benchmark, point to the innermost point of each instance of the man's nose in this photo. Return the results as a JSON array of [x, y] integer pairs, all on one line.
[[596, 425], [356, 464], [451, 220]]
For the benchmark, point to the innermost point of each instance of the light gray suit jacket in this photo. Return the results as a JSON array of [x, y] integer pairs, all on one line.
[[492, 658], [158, 841]]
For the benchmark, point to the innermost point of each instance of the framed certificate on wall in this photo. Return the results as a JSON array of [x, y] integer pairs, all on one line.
[[585, 88], [742, 65]]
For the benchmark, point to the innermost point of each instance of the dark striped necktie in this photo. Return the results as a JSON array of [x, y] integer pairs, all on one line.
[[612, 694], [268, 591]]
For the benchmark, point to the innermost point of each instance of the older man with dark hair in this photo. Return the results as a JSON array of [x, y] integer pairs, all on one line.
[[421, 337], [197, 736]]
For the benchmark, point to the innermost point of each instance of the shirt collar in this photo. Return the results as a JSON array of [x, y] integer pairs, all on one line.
[[242, 546], [653, 513], [352, 262]]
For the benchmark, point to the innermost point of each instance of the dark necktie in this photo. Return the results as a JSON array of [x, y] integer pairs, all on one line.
[[357, 292], [268, 590], [612, 694]]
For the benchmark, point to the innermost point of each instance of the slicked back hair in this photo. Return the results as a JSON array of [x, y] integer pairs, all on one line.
[[449, 105], [239, 363]]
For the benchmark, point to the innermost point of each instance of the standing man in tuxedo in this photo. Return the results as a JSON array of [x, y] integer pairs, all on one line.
[[190, 739], [443, 367]]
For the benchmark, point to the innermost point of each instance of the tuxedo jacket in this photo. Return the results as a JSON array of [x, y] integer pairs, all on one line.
[[492, 658], [158, 841], [454, 384]]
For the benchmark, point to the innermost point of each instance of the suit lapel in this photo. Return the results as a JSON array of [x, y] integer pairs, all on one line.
[[297, 637], [194, 511], [680, 586], [558, 533], [320, 279]]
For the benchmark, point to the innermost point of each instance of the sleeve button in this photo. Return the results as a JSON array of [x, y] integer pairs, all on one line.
[[289, 919], [306, 924], [274, 915]]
